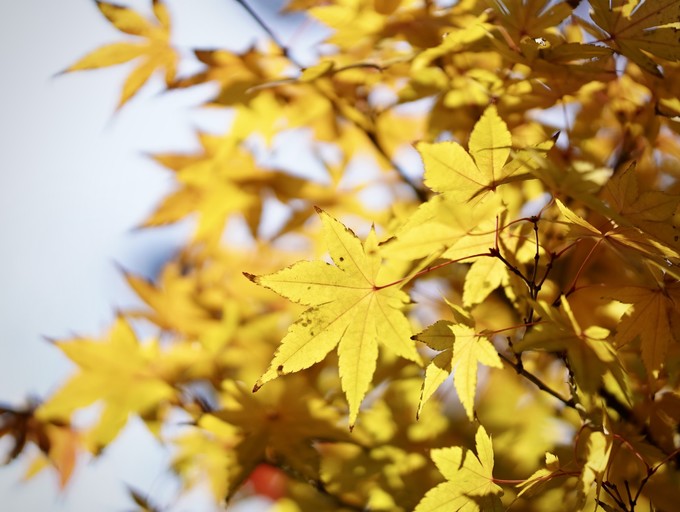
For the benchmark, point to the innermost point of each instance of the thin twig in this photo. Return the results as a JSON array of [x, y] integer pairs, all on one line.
[[608, 487], [370, 134], [263, 25], [538, 382], [650, 473]]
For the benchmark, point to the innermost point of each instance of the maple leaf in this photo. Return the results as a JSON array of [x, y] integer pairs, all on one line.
[[390, 418], [483, 277], [235, 73], [649, 210], [634, 27], [173, 301], [599, 450], [223, 169], [155, 51], [354, 23], [461, 349], [57, 441], [469, 484], [624, 240], [653, 317], [391, 478], [446, 227], [120, 359], [533, 18], [207, 453], [349, 309], [226, 168], [277, 426], [590, 351], [449, 168]]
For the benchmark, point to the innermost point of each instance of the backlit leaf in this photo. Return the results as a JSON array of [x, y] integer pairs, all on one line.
[[119, 358], [156, 51], [469, 484], [650, 318], [636, 27], [464, 351], [349, 307]]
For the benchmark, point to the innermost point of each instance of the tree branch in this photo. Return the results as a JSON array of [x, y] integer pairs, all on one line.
[[370, 134], [519, 368], [263, 25]]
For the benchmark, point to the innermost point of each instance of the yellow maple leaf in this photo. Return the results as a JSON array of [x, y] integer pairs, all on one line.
[[206, 455], [651, 317], [223, 169], [276, 426], [648, 210], [483, 277], [173, 302], [599, 450], [635, 28], [236, 74], [280, 424], [624, 240], [349, 309], [469, 484], [462, 349], [469, 175], [532, 18], [353, 23], [446, 227], [155, 50], [449, 168], [390, 478], [590, 351], [119, 359]]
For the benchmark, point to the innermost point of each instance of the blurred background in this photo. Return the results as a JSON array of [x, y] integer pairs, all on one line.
[[75, 182]]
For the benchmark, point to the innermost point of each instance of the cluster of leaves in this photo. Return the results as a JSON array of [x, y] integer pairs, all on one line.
[[536, 261]]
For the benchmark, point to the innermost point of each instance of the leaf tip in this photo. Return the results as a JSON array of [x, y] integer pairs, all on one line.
[[50, 340], [119, 266], [252, 277], [61, 72]]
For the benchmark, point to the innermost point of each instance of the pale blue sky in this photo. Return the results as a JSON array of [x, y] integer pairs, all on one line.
[[73, 185]]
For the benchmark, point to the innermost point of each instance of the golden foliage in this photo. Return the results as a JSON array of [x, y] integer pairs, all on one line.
[[542, 241]]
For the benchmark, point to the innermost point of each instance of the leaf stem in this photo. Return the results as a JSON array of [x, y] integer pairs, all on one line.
[[495, 252], [650, 473], [427, 270], [613, 492], [572, 288], [512, 327]]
